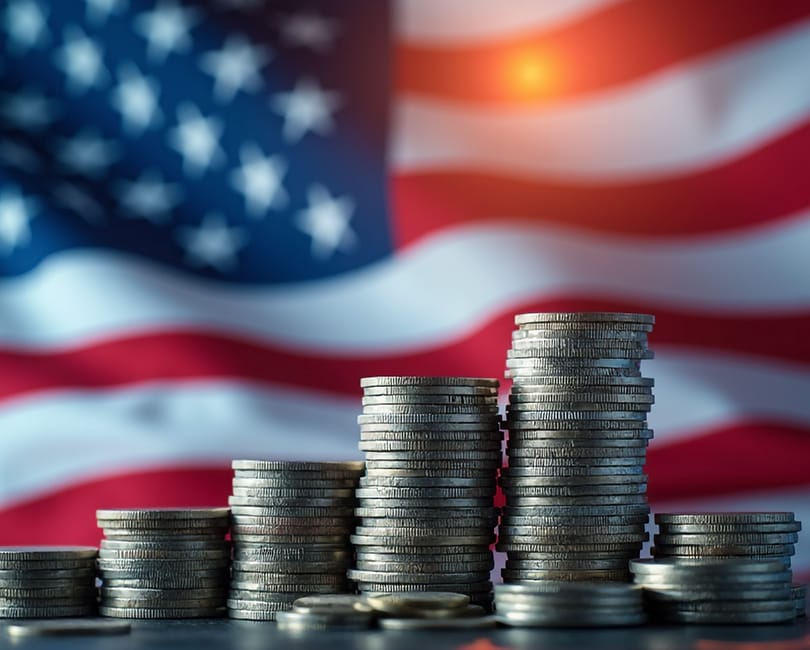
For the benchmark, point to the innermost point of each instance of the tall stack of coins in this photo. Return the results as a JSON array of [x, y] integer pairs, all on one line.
[[709, 591], [689, 536], [433, 446], [164, 563], [47, 582], [290, 524], [576, 504]]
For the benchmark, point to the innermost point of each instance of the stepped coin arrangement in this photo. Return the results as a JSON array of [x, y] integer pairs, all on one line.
[[47, 582], [569, 604], [433, 447], [576, 505], [290, 525], [163, 563], [712, 591]]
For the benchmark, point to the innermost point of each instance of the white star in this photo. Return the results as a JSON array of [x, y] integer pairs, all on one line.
[[235, 67], [259, 180], [25, 23], [327, 222], [98, 11], [136, 98], [81, 60], [166, 29], [29, 110], [309, 30], [149, 197], [306, 108], [78, 201], [15, 214], [19, 156], [213, 243], [196, 138], [88, 153]]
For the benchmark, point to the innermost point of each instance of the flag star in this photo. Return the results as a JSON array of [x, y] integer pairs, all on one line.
[[166, 29], [327, 222], [19, 156], [25, 23], [16, 213], [309, 30], [259, 180], [306, 108], [235, 67], [29, 110], [136, 98], [88, 153], [81, 60], [78, 201], [196, 139], [213, 243], [98, 11], [149, 197]]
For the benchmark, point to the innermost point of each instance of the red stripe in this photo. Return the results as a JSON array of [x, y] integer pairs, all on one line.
[[705, 202], [617, 45], [749, 456], [188, 355], [68, 516]]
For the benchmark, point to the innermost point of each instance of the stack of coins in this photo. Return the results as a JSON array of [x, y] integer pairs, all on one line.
[[724, 591], [576, 505], [290, 524], [47, 582], [799, 593], [569, 604], [163, 563], [753, 535], [433, 447]]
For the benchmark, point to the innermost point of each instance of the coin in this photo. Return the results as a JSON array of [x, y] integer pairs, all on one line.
[[403, 603], [316, 621], [68, 627], [466, 623]]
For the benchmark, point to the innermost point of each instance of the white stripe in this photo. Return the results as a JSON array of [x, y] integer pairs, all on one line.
[[698, 390], [795, 500], [435, 291], [56, 439], [690, 117], [459, 22]]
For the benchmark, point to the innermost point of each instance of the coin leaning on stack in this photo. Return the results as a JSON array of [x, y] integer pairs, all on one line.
[[163, 563], [290, 525], [427, 518], [722, 591], [575, 492], [47, 582]]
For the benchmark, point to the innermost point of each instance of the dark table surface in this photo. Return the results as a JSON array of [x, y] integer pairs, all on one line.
[[223, 634]]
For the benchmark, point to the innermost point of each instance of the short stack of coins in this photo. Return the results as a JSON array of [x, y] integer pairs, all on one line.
[[716, 591], [569, 604], [290, 525], [163, 563], [574, 488], [731, 535], [433, 447], [47, 582]]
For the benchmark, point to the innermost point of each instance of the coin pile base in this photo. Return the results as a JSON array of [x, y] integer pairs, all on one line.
[[433, 448], [47, 582], [569, 604], [716, 591], [575, 491], [163, 563], [291, 523]]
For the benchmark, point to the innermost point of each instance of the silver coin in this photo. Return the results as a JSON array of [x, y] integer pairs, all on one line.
[[481, 419], [593, 443], [380, 577], [392, 529], [426, 436], [532, 383], [432, 446], [508, 482], [619, 524], [566, 565], [146, 565], [561, 426], [154, 527], [163, 535], [574, 472], [612, 549], [24, 566], [426, 409], [12, 555], [393, 429], [477, 592], [141, 554], [563, 531], [67, 627], [270, 553], [429, 503], [404, 603], [274, 477], [580, 510], [427, 390], [341, 467], [417, 553], [162, 612], [47, 589], [523, 436], [724, 529], [334, 602], [291, 588], [530, 535], [367, 382], [284, 483], [452, 522], [688, 594], [468, 623], [581, 332], [731, 618], [605, 317], [569, 619], [293, 621], [265, 494], [428, 469], [185, 603], [403, 512], [378, 492], [417, 400], [615, 499], [426, 540], [724, 517], [258, 534], [174, 515], [419, 482], [411, 567], [722, 539], [270, 513], [47, 612], [585, 575], [454, 456], [725, 549], [579, 415], [569, 364], [168, 581], [573, 490], [705, 566]]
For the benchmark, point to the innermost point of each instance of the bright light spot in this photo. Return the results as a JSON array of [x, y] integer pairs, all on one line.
[[530, 74]]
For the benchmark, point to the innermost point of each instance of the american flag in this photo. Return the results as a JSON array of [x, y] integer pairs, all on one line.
[[215, 217]]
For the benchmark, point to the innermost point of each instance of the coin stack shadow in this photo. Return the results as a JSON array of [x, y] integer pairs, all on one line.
[[426, 502], [688, 536], [290, 525], [575, 495], [716, 591], [47, 582], [163, 563]]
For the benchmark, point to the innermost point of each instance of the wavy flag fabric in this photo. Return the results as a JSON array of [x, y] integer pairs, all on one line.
[[215, 217]]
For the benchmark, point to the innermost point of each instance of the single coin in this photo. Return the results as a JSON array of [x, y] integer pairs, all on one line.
[[743, 550], [467, 623], [359, 575], [732, 529], [573, 490], [724, 517], [344, 467], [12, 555], [68, 627], [406, 602], [475, 591], [584, 317], [366, 382], [335, 602], [162, 514], [569, 619], [293, 621], [426, 409], [53, 611], [162, 612]]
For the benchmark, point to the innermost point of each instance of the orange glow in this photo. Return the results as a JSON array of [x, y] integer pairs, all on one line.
[[529, 74]]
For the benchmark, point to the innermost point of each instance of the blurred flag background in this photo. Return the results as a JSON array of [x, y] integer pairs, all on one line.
[[216, 216]]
